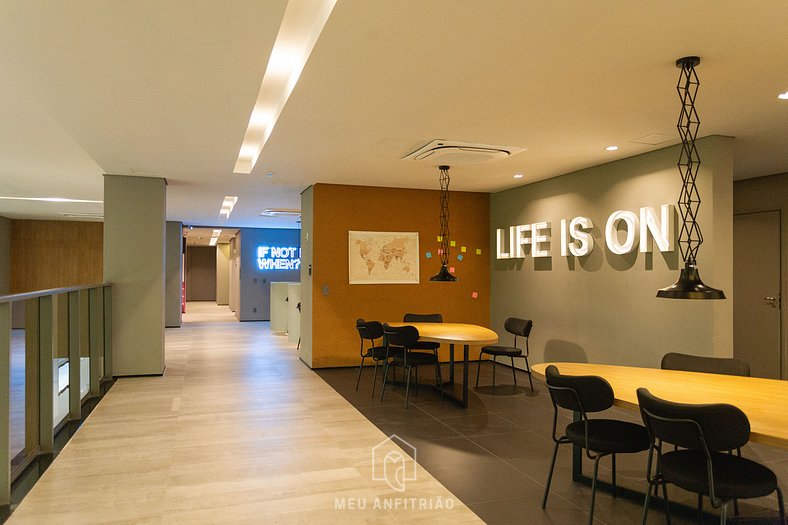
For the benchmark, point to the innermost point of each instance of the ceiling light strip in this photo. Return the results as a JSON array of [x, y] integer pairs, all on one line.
[[227, 206], [50, 199], [302, 24]]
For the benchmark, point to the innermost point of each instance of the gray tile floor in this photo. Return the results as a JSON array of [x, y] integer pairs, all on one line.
[[495, 454]]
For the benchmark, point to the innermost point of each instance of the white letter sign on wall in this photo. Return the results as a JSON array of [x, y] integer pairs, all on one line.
[[611, 231], [576, 237], [661, 232]]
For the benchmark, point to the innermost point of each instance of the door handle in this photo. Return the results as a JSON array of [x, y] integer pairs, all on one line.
[[774, 302]]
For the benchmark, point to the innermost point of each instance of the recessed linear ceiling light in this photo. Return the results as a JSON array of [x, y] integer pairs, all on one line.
[[611, 148], [783, 96], [86, 215], [518, 175], [227, 206], [50, 199], [301, 26], [213, 240], [217, 233]]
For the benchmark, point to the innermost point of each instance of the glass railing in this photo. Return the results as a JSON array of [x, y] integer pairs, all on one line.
[[55, 351]]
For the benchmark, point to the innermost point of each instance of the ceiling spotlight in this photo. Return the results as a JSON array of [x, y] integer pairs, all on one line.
[[783, 96], [611, 148], [518, 175]]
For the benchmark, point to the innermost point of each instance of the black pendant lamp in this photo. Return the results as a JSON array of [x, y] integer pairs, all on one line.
[[444, 275], [689, 285]]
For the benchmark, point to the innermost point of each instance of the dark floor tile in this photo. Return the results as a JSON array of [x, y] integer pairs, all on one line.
[[488, 480], [525, 509], [480, 424]]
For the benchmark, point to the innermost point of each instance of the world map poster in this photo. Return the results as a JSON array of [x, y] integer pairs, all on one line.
[[383, 257]]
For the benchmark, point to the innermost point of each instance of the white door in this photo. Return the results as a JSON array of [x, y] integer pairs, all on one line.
[[756, 292]]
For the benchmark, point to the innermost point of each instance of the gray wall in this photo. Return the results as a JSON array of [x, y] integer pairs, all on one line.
[[222, 274], [769, 194], [172, 308], [307, 247], [134, 262], [235, 273], [603, 307], [255, 284], [5, 255], [200, 273]]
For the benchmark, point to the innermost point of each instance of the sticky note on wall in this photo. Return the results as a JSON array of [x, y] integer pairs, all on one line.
[[428, 255], [453, 243], [464, 249], [459, 257], [474, 295], [440, 239], [478, 251], [451, 269]]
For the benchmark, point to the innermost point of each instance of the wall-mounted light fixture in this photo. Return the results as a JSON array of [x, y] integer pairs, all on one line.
[[689, 285]]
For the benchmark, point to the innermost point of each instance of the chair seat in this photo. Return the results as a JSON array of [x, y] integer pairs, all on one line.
[[416, 359], [734, 476], [425, 345], [376, 352], [502, 350], [609, 436]]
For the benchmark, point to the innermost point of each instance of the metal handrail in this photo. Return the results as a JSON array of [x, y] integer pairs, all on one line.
[[52, 291]]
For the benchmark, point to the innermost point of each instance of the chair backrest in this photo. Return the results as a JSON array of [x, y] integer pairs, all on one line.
[[422, 318], [579, 393], [521, 327], [721, 426], [369, 330], [400, 336], [710, 365]]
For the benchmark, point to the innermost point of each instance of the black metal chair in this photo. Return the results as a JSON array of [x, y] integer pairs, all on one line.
[[400, 342], [705, 464], [370, 331], [599, 437], [424, 318], [711, 365], [517, 327]]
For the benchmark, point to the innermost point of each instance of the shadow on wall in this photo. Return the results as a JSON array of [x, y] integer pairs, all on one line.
[[556, 351]]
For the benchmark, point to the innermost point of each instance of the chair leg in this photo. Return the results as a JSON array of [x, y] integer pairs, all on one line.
[[374, 377], [667, 503], [614, 475], [550, 475], [495, 361], [385, 376], [647, 501], [514, 375], [407, 384], [478, 369], [416, 386], [360, 368], [780, 503], [593, 491], [736, 507], [724, 513], [528, 371], [700, 508], [440, 377]]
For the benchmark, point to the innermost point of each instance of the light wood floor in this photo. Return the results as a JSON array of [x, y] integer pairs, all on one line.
[[237, 430]]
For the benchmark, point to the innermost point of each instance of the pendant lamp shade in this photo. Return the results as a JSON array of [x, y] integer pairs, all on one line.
[[689, 285], [443, 274]]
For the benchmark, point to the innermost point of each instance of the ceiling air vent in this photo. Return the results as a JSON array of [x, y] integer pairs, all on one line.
[[453, 153], [280, 212]]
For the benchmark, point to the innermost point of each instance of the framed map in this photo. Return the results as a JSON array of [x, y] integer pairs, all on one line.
[[383, 257]]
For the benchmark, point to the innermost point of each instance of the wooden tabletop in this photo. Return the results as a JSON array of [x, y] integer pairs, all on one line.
[[454, 333], [765, 401]]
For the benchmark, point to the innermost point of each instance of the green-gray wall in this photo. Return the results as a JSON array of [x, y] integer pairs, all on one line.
[[173, 290], [223, 274], [307, 248], [134, 262], [769, 194], [5, 255], [603, 308]]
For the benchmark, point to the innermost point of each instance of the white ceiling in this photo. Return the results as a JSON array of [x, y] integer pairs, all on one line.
[[166, 88]]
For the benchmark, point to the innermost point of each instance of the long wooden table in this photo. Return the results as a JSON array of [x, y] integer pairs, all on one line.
[[765, 401], [455, 334]]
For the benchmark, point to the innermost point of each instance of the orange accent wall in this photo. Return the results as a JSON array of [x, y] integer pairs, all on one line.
[[339, 209], [54, 254]]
